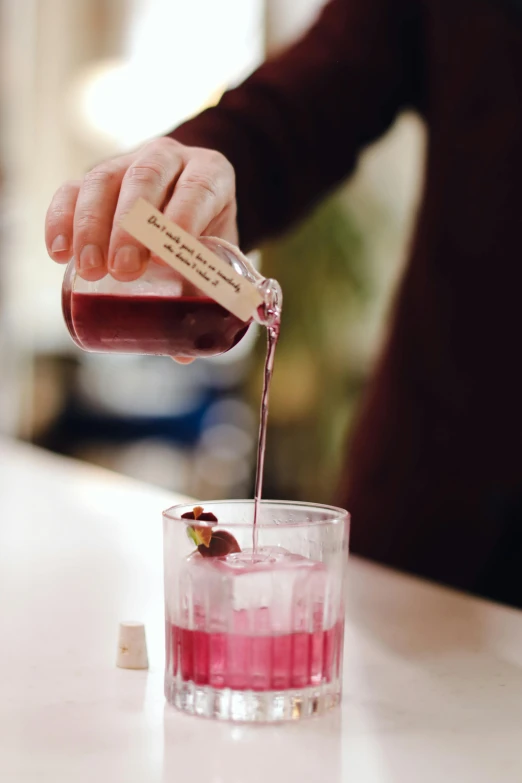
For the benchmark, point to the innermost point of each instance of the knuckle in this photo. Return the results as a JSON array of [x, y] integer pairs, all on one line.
[[202, 183], [63, 195], [61, 208], [149, 172], [100, 177], [57, 213], [164, 144], [86, 222], [218, 162], [217, 159], [64, 190]]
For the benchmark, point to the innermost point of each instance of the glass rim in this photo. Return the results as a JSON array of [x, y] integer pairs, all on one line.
[[338, 515]]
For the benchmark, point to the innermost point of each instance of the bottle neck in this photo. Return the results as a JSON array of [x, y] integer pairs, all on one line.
[[269, 312]]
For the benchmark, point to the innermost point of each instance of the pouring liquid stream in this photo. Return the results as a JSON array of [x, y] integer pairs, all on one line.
[[272, 338]]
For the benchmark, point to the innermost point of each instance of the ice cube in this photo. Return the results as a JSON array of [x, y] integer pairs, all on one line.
[[274, 589], [247, 560]]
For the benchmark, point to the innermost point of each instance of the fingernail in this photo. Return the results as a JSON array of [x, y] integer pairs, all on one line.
[[127, 259], [60, 244], [91, 257]]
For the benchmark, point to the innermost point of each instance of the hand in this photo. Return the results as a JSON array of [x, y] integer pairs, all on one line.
[[194, 187]]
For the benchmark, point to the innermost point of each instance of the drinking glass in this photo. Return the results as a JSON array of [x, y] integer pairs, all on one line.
[[254, 635]]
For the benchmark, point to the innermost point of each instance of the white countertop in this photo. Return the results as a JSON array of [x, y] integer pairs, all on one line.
[[433, 679]]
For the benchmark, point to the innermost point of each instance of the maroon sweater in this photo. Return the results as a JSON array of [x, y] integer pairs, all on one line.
[[434, 473]]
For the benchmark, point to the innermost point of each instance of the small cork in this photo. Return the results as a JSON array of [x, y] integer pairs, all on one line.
[[132, 647]]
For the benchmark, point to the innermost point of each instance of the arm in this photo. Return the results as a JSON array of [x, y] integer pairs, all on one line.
[[293, 129]]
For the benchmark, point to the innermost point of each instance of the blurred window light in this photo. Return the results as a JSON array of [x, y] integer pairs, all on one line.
[[179, 58]]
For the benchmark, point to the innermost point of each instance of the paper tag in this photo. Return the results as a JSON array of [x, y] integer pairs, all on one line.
[[188, 256]]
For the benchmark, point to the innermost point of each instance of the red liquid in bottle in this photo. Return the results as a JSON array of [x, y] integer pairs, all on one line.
[[189, 326]]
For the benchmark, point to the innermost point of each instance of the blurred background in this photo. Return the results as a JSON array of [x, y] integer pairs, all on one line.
[[70, 73]]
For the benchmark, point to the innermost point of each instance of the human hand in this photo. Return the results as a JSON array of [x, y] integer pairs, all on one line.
[[194, 187]]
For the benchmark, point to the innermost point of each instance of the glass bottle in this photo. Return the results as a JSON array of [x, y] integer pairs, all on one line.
[[161, 313]]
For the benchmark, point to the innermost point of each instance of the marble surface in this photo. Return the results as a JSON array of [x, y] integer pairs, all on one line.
[[433, 679]]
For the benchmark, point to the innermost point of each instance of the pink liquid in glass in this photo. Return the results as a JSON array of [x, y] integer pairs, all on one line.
[[255, 662], [147, 324]]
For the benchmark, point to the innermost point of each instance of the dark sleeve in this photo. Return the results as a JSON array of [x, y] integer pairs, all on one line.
[[293, 129]]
